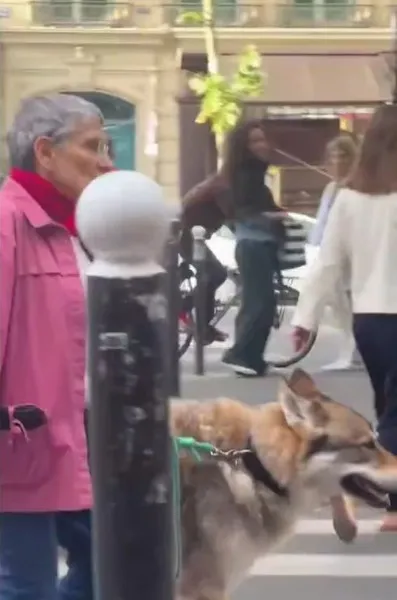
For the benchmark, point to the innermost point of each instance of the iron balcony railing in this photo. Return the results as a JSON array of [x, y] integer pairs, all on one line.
[[226, 14], [82, 13], [189, 14], [327, 14], [265, 14]]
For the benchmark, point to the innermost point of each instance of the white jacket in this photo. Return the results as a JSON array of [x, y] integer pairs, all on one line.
[[358, 252]]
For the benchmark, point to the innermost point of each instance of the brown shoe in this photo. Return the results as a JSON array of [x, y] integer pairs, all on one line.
[[389, 524], [343, 518]]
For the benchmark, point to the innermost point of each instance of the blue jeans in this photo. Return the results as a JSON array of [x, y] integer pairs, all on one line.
[[257, 262], [29, 556], [376, 338]]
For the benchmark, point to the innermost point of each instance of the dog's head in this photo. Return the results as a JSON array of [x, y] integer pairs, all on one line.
[[323, 445]]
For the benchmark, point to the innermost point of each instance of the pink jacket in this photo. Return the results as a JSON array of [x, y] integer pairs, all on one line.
[[42, 359]]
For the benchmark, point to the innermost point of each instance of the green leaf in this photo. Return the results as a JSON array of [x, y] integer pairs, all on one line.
[[222, 99], [192, 18]]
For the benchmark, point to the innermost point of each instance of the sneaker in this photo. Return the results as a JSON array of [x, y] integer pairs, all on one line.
[[241, 368]]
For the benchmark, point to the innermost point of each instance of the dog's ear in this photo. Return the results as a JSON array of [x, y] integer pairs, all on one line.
[[301, 405], [302, 384]]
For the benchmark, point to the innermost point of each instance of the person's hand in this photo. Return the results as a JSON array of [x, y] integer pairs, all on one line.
[[300, 338]]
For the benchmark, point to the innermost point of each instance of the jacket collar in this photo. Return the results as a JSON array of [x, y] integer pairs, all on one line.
[[33, 212]]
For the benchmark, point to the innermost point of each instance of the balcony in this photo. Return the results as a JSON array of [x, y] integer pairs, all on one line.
[[187, 14], [85, 13], [307, 14], [327, 14], [226, 14]]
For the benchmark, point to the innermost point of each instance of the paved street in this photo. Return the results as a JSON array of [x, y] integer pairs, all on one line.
[[314, 563]]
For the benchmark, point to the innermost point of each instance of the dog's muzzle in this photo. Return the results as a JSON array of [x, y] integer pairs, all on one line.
[[363, 488]]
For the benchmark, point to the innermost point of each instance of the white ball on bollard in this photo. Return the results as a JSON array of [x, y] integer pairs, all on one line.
[[122, 218]]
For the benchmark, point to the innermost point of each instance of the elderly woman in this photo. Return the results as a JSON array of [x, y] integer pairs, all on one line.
[[57, 145]]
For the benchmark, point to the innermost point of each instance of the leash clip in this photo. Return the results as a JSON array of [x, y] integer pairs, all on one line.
[[230, 456]]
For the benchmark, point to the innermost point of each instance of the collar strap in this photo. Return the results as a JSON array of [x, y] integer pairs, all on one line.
[[260, 473]]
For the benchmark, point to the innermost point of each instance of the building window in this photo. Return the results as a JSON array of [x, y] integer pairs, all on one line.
[[190, 13], [58, 12], [322, 11]]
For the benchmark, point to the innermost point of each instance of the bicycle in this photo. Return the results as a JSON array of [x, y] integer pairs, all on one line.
[[286, 296]]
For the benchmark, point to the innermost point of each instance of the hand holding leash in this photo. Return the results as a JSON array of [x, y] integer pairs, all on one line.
[[300, 338]]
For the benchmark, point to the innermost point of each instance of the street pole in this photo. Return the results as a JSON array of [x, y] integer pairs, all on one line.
[[174, 306], [199, 262], [122, 219]]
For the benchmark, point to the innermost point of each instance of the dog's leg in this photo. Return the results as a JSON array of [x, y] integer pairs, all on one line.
[[343, 518]]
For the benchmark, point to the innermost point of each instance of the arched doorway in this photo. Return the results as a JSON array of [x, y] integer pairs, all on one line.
[[119, 122]]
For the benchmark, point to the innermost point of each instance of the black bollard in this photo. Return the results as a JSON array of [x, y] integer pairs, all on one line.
[[174, 306], [122, 221], [199, 256]]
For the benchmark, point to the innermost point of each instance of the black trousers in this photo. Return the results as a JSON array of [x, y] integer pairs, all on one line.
[[376, 339], [257, 262], [216, 275], [215, 272]]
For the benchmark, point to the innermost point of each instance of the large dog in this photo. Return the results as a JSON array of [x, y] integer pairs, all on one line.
[[302, 451]]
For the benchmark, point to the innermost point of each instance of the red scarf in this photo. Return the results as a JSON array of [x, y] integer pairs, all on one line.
[[57, 206]]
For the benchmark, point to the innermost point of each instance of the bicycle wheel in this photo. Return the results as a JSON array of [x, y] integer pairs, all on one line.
[[280, 351], [186, 333], [283, 362], [186, 319]]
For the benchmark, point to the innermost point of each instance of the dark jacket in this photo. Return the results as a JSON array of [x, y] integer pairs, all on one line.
[[216, 201], [207, 204]]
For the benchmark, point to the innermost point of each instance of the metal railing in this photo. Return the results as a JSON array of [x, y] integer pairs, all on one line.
[[226, 14], [82, 13], [188, 14], [327, 15]]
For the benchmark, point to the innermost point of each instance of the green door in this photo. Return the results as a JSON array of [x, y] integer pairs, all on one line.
[[123, 138], [119, 118]]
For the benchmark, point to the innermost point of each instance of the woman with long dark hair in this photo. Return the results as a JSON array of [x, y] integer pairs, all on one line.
[[360, 246], [259, 229]]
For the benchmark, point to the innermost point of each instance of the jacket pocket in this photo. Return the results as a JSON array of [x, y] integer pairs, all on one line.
[[28, 460]]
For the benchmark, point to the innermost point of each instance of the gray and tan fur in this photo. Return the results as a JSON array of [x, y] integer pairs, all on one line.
[[313, 447]]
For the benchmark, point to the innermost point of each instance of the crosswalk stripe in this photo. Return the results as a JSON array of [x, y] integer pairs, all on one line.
[[316, 565], [326, 565], [325, 527]]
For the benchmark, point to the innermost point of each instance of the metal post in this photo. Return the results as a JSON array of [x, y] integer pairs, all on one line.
[[122, 219], [199, 255], [174, 305]]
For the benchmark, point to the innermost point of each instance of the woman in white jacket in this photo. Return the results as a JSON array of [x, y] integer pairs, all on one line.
[[360, 247]]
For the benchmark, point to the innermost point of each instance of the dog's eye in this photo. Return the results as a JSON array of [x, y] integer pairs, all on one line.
[[369, 445]]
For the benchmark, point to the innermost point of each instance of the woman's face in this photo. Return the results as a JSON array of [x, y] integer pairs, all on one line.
[[338, 164], [258, 145], [74, 162]]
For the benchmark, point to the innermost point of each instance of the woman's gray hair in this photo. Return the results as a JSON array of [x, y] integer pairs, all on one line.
[[54, 116]]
